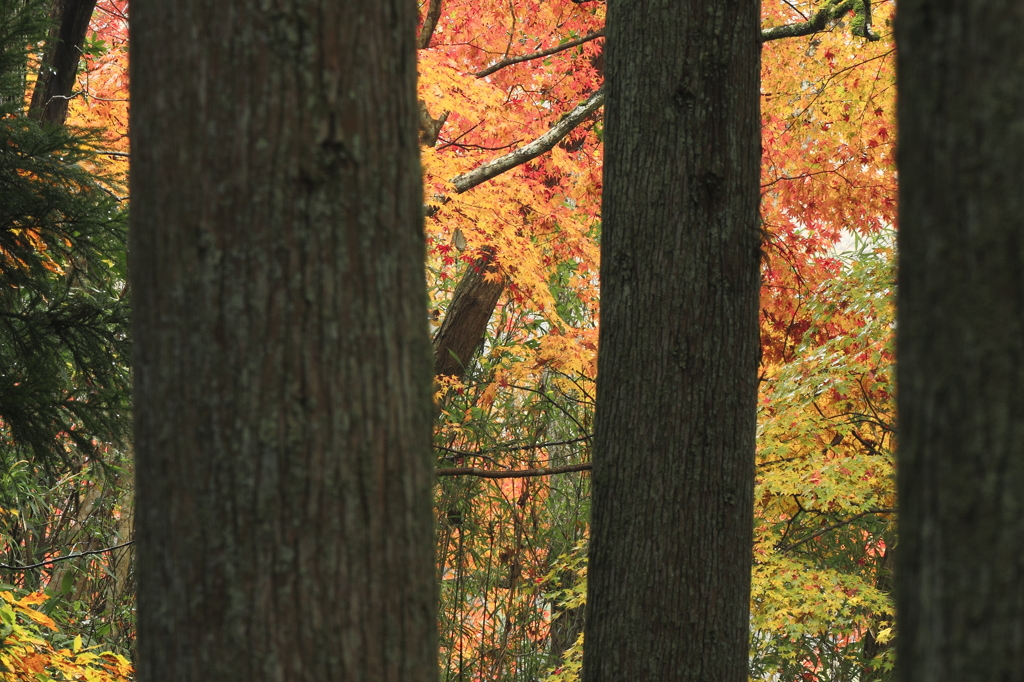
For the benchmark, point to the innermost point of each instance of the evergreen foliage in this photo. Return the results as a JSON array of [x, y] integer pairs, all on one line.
[[64, 381], [22, 23]]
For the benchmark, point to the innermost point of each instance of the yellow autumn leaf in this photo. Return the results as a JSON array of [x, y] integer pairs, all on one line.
[[31, 599], [40, 618], [34, 663], [487, 397]]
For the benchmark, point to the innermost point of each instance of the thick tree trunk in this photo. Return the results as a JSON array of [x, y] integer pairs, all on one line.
[[669, 576], [60, 62], [282, 364], [960, 341]]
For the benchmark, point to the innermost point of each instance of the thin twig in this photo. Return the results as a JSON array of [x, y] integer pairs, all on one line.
[[76, 555], [453, 143], [520, 473], [795, 9], [509, 61], [840, 524], [509, 448], [511, 31]]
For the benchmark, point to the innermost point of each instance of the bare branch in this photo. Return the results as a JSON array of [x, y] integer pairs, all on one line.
[[512, 448], [530, 151], [840, 524], [56, 83], [833, 10], [429, 24], [465, 324], [512, 30], [795, 9], [521, 473], [430, 127], [76, 555], [509, 61]]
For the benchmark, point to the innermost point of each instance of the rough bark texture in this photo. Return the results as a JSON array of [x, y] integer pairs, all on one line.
[[429, 24], [960, 341], [872, 647], [669, 576], [282, 367], [465, 323], [430, 127], [60, 63], [566, 623]]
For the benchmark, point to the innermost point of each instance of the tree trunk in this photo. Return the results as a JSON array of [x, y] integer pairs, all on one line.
[[960, 341], [873, 648], [282, 365], [465, 323], [669, 572], [566, 623], [59, 69]]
